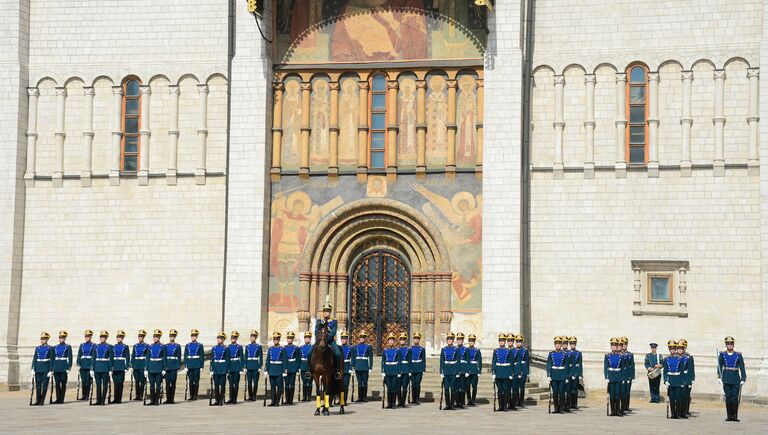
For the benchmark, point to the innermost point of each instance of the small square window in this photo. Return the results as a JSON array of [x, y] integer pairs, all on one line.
[[660, 289]]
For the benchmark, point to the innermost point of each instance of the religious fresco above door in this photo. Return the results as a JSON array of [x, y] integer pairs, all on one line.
[[353, 31]]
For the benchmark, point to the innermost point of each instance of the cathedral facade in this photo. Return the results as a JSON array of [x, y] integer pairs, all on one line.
[[536, 167]]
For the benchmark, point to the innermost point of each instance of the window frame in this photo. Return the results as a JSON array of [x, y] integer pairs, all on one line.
[[124, 117], [671, 288], [371, 112], [628, 111]]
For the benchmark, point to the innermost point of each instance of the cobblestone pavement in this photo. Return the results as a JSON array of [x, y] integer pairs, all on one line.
[[366, 418]]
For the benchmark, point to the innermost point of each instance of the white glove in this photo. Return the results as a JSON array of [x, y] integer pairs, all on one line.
[[244, 370], [493, 377], [383, 376], [692, 382], [466, 375], [398, 375], [719, 381], [573, 378], [566, 381], [32, 372], [442, 376], [742, 382], [146, 373], [211, 373], [266, 374], [478, 375], [163, 372], [91, 372], [606, 381], [457, 376], [666, 383], [110, 373], [67, 371], [581, 378], [369, 371], [285, 375], [50, 374], [549, 379]]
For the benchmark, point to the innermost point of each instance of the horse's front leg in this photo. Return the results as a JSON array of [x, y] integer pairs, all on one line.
[[342, 402]]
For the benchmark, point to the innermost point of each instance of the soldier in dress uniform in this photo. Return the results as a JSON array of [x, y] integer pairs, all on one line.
[[577, 372], [42, 368], [566, 404], [330, 337], [219, 367], [449, 359], [194, 359], [515, 368], [121, 360], [689, 376], [85, 355], [612, 367], [474, 369], [362, 361], [62, 364], [652, 364], [139, 364], [501, 372], [390, 370], [235, 365], [155, 369], [524, 360], [306, 376], [557, 366], [102, 367], [172, 366], [732, 375], [346, 360], [461, 372], [254, 356], [405, 369], [275, 369], [292, 366], [674, 366], [629, 373], [418, 367]]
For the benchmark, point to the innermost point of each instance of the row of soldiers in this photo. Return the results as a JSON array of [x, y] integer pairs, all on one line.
[[565, 373], [619, 372], [510, 367]]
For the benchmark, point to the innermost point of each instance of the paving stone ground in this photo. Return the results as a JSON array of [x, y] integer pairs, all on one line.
[[251, 417]]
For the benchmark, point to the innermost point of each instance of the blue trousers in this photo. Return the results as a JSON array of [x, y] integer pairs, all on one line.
[[85, 383], [653, 386], [614, 390], [41, 387], [731, 393], [102, 383]]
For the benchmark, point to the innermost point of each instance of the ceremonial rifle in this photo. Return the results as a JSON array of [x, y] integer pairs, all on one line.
[[32, 389]]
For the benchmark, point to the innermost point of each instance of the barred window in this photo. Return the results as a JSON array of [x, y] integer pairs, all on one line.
[[377, 139], [130, 146], [637, 114]]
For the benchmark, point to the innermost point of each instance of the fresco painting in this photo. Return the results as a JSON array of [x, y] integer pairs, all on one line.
[[291, 142], [349, 108], [466, 119]]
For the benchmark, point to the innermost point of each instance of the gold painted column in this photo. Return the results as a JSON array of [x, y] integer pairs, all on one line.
[[392, 130], [303, 314], [333, 160], [362, 133], [306, 89], [341, 297], [277, 131], [450, 161], [421, 128], [480, 115]]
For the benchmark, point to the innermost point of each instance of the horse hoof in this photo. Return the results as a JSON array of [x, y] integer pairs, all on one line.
[[341, 411]]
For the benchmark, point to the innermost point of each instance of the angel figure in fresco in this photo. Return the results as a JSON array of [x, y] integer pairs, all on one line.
[[463, 287], [294, 217]]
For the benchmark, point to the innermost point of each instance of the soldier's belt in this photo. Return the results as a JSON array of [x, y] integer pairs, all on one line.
[[42, 360], [614, 369], [391, 363], [292, 360], [557, 367], [473, 362], [141, 357], [450, 362], [219, 361], [502, 364], [61, 358], [673, 373], [172, 357], [361, 357], [86, 357], [97, 359], [305, 359], [346, 360], [275, 362], [413, 360], [730, 369], [255, 358], [193, 356], [120, 358], [155, 359]]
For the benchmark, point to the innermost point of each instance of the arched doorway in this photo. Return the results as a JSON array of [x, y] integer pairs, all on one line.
[[379, 296]]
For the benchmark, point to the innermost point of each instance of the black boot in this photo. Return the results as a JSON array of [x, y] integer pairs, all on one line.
[[728, 412], [575, 401], [735, 411], [501, 398], [682, 409], [416, 393]]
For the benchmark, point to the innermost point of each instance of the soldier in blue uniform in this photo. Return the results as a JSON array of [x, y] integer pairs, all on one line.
[[235, 365], [275, 369], [513, 389], [330, 337], [390, 370], [139, 364], [474, 361], [449, 359], [612, 367], [524, 361], [577, 372], [346, 359], [121, 360], [42, 368], [501, 372], [418, 367], [172, 366], [218, 368], [155, 369], [674, 366], [629, 374], [653, 365], [566, 403], [292, 366], [461, 372], [732, 375], [306, 376], [557, 362], [194, 359], [689, 376], [85, 355], [405, 369], [254, 357], [62, 364], [102, 367], [362, 362]]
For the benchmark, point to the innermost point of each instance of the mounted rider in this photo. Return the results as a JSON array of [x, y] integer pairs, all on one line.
[[330, 337]]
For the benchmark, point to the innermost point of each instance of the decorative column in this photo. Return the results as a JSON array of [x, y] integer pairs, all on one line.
[[306, 90], [450, 161], [589, 127], [686, 121], [559, 125], [421, 128], [480, 115], [428, 288], [304, 314], [416, 303], [753, 118], [362, 133], [333, 160], [341, 298], [637, 285], [202, 133], [85, 176], [653, 124], [29, 176], [621, 125], [683, 288], [718, 164], [443, 288], [145, 135], [392, 86], [277, 131], [61, 134], [117, 134], [173, 137]]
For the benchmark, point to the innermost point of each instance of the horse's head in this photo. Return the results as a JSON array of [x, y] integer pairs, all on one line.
[[321, 340]]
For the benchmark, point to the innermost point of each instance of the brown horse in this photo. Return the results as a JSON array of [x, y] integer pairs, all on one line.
[[322, 369]]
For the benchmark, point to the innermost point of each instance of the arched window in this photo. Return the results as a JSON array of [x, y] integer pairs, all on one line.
[[130, 147], [377, 139], [637, 114]]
